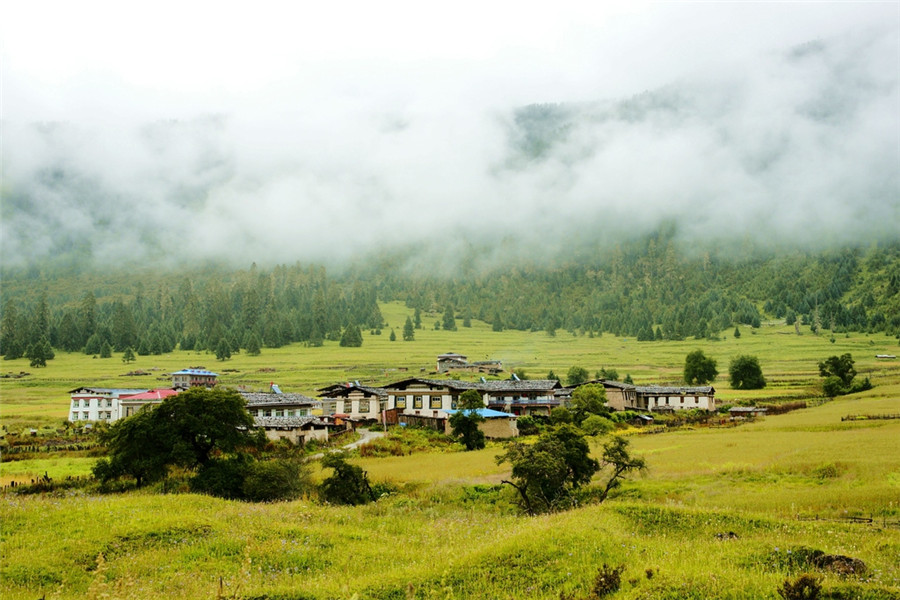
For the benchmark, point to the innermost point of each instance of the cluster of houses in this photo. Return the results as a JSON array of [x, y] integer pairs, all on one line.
[[413, 401]]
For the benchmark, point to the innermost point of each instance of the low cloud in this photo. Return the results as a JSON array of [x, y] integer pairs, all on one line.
[[791, 140]]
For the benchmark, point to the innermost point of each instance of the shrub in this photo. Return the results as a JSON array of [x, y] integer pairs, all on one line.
[[805, 587], [276, 479], [349, 484], [222, 478], [597, 425], [527, 425]]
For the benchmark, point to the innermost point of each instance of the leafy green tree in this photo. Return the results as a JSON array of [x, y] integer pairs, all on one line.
[[560, 415], [223, 350], [616, 456], [348, 484], [840, 367], [128, 355], [136, 448], [276, 479], [467, 318], [208, 430], [409, 333], [497, 322], [465, 422], [13, 350], [520, 373], [449, 320], [588, 399], [417, 318], [746, 374], [576, 375], [547, 473], [201, 423], [551, 376], [106, 351], [628, 379], [699, 369]]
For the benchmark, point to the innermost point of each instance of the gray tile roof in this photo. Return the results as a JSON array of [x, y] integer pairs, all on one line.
[[657, 390], [287, 422], [267, 399]]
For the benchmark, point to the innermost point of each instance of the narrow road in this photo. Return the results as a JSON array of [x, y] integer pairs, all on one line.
[[365, 436]]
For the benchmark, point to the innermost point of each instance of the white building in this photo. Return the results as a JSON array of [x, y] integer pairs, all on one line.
[[98, 404]]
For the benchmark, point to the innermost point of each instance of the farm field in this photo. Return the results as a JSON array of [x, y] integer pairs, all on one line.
[[720, 513], [788, 362]]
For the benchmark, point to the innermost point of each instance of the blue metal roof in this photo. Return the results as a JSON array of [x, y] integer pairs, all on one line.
[[195, 372], [487, 413]]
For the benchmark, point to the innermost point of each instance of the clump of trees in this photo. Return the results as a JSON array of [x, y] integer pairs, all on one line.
[[208, 433], [745, 373], [839, 374], [348, 484]]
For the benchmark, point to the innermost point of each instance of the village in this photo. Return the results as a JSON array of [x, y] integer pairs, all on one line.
[[416, 401]]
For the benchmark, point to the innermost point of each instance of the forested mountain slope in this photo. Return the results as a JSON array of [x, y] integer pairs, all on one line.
[[648, 289]]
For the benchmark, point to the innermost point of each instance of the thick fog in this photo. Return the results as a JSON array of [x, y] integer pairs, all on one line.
[[164, 134]]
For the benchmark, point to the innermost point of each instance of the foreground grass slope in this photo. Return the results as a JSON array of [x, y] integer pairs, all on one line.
[[721, 513], [715, 517]]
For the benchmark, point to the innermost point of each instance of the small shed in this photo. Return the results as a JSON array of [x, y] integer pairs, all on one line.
[[746, 412]]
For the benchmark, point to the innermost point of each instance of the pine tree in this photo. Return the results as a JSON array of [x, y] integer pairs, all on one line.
[[106, 351], [223, 352], [417, 316], [352, 337], [128, 356], [252, 344], [409, 333], [393, 337], [449, 319]]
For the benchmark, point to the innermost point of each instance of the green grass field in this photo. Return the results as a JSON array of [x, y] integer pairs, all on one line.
[[778, 485]]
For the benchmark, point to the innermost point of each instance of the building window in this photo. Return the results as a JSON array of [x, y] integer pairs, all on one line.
[[400, 401], [453, 401], [435, 402], [279, 413], [108, 403], [302, 412], [417, 401], [267, 413], [363, 406], [74, 416], [85, 416]]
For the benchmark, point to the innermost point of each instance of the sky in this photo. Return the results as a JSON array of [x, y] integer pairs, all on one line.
[[278, 132]]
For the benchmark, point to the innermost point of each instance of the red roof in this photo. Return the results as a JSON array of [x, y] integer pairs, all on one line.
[[157, 394]]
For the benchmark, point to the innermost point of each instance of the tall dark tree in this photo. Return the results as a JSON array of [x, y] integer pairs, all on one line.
[[448, 321], [409, 334]]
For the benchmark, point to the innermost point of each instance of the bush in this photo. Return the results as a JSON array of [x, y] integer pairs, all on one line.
[[349, 484], [527, 425], [597, 425], [222, 478], [805, 587], [277, 479]]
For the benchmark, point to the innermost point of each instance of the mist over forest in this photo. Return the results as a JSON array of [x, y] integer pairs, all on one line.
[[794, 144]]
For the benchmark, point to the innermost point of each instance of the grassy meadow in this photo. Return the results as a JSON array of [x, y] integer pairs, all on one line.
[[720, 513]]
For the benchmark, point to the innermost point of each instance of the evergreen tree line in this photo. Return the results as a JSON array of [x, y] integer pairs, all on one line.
[[646, 289], [247, 310]]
